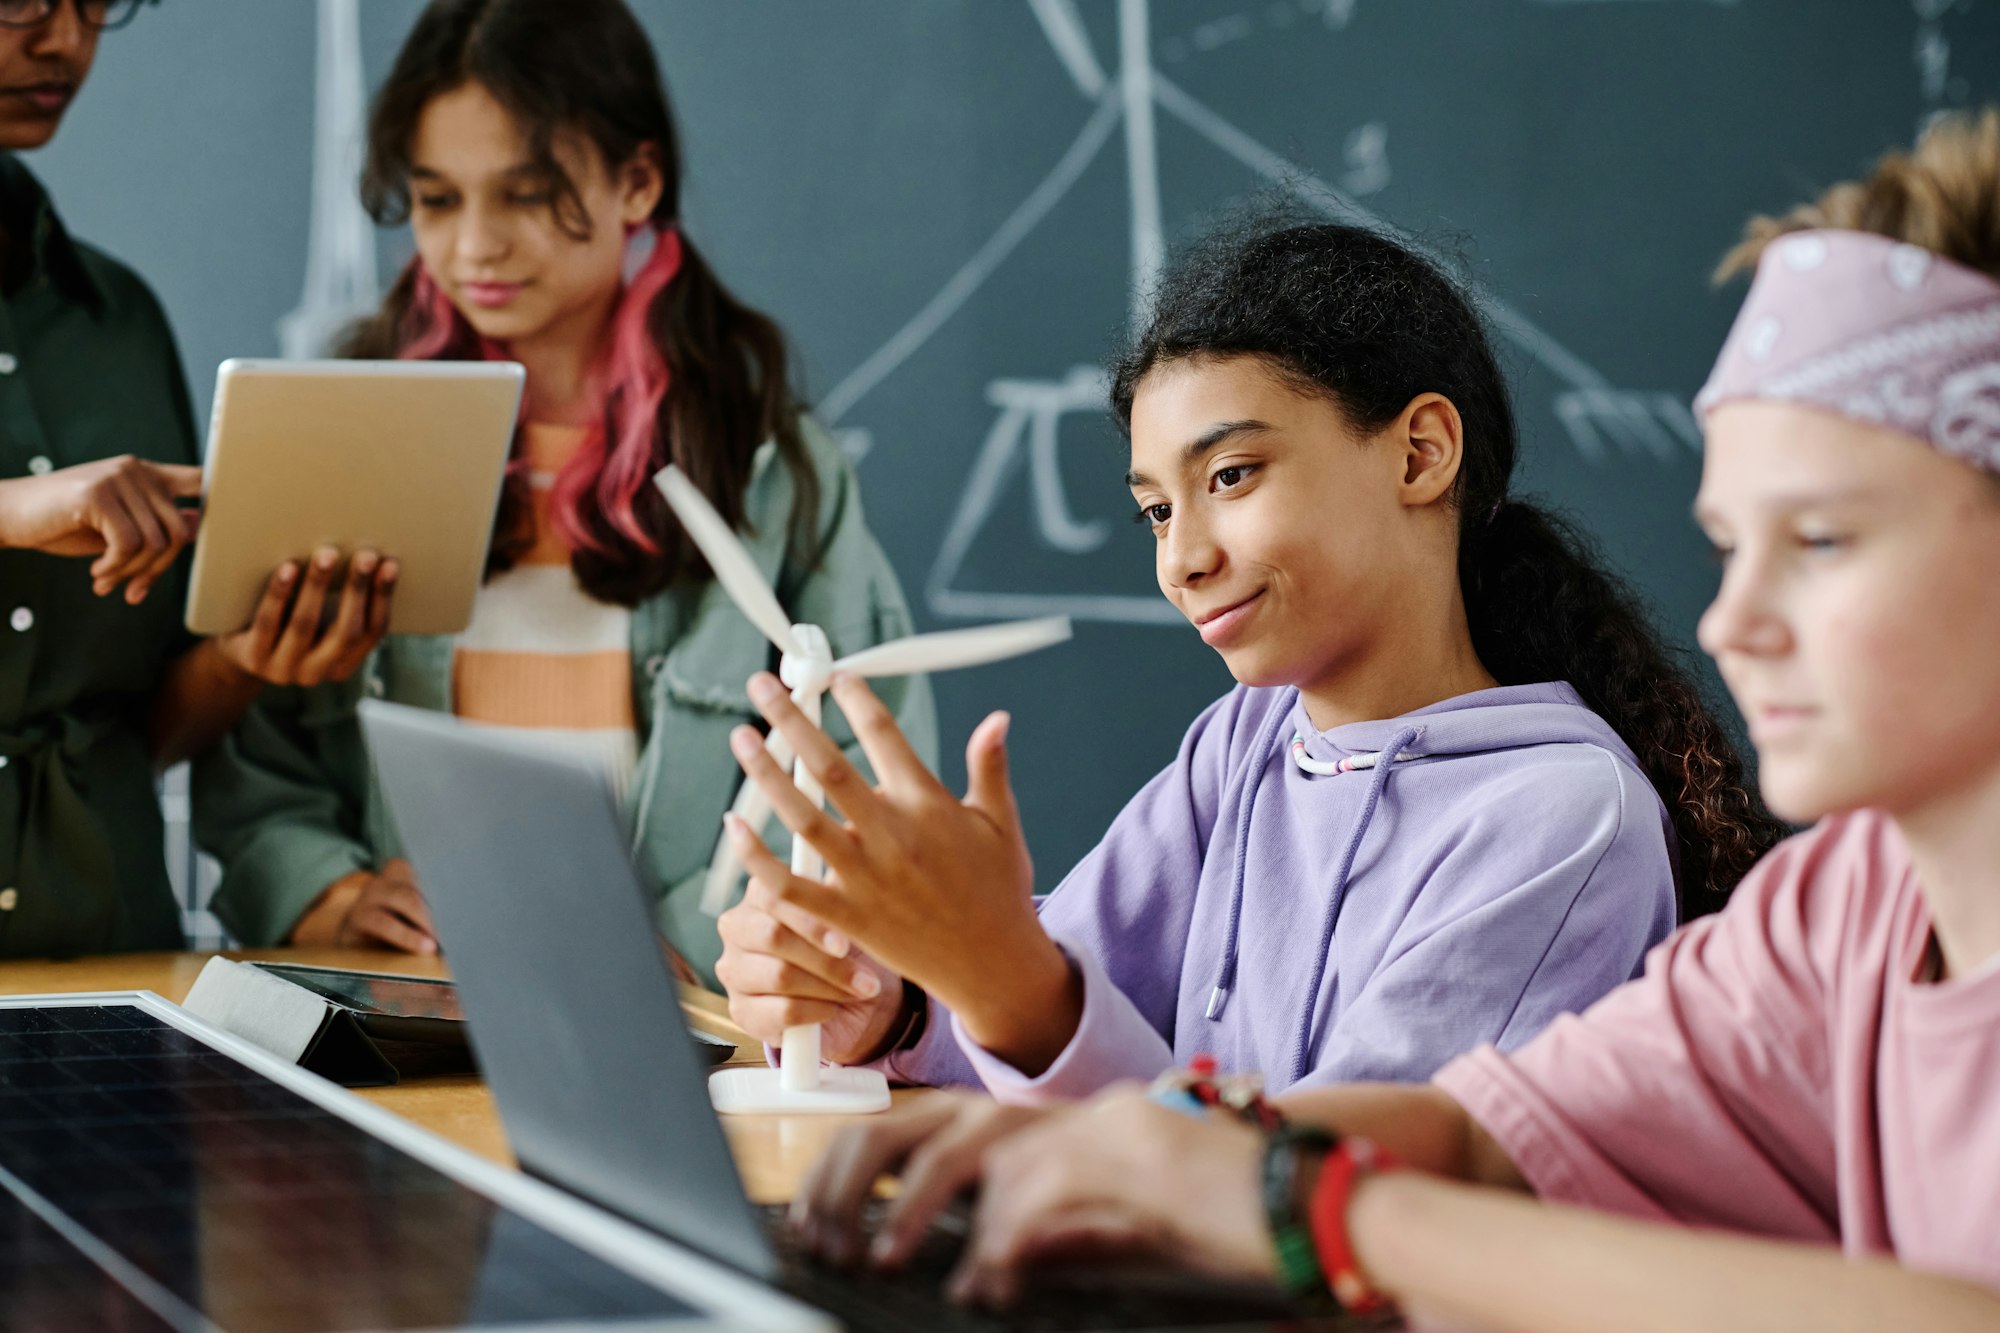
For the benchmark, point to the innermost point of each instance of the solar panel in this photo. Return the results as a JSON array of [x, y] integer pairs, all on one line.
[[150, 1180]]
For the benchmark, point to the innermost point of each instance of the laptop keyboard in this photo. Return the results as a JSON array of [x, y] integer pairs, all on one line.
[[913, 1299]]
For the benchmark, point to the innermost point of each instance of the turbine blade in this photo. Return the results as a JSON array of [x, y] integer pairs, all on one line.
[[734, 569], [750, 806], [956, 647]]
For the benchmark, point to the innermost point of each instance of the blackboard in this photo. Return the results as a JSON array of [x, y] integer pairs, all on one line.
[[949, 204]]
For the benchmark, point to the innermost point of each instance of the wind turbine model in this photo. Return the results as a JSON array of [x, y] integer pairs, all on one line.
[[806, 665]]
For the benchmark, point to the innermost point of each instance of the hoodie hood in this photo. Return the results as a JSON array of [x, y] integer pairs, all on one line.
[[1507, 717]]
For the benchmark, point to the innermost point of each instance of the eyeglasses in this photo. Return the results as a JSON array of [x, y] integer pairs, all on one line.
[[99, 14]]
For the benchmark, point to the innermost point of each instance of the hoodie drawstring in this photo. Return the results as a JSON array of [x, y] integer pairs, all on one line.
[[1267, 741], [1260, 759], [1380, 779], [1354, 763]]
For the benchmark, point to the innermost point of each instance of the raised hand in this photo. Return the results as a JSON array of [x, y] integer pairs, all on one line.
[[935, 888]]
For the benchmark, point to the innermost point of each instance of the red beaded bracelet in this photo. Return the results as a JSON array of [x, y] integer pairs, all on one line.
[[1342, 1168]]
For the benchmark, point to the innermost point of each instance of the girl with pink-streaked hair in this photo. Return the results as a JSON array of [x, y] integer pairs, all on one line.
[[530, 147]]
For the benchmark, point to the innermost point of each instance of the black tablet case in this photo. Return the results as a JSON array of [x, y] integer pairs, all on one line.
[[320, 1034]]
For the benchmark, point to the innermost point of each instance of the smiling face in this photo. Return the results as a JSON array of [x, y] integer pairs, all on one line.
[[1303, 550], [489, 227], [41, 69], [1857, 624]]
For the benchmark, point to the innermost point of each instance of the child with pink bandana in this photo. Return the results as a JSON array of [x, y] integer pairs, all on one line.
[[1792, 1120]]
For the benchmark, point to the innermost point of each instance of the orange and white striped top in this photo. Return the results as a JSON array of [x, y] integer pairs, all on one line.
[[543, 656]]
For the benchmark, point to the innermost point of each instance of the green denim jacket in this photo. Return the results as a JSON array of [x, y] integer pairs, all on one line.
[[288, 802]]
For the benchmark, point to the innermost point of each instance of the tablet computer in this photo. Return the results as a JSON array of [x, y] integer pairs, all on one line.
[[400, 1008], [404, 457]]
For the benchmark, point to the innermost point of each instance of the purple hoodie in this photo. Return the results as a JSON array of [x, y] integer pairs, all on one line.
[[1474, 869]]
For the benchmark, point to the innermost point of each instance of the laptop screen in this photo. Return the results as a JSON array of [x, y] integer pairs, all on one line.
[[521, 853]]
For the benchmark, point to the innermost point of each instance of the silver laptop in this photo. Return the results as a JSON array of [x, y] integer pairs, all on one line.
[[575, 1019]]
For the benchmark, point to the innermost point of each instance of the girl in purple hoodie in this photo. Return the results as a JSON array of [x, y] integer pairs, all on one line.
[[1453, 795], [1789, 1123]]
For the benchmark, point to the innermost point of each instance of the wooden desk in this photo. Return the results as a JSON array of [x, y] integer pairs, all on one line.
[[772, 1152]]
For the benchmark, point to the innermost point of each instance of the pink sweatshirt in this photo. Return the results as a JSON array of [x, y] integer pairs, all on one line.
[[1781, 1068]]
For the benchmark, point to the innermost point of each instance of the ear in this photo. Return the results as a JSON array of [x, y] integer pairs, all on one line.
[[641, 182], [1432, 437]]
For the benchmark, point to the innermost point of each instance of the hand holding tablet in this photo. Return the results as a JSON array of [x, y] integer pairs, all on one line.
[[316, 626], [127, 512], [401, 459], [130, 513]]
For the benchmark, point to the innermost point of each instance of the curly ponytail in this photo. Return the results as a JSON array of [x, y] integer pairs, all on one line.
[[1541, 607], [1350, 314]]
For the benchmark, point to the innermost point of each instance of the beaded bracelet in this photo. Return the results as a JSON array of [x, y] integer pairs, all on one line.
[[1308, 1236], [1197, 1091], [1345, 1166], [1286, 1153]]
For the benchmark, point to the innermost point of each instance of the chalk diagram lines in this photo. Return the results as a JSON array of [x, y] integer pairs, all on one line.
[[1601, 419], [1942, 90], [341, 281]]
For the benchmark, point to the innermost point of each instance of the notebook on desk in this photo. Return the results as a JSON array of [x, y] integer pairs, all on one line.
[[524, 862]]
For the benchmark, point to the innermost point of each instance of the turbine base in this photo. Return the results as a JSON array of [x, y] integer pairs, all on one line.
[[762, 1092]]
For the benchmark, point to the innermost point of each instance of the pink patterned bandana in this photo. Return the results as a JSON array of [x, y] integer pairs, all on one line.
[[1884, 332]]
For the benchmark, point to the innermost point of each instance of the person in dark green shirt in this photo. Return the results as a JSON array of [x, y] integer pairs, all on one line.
[[99, 685]]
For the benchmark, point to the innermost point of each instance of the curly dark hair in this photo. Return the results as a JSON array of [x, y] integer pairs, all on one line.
[[1351, 314]]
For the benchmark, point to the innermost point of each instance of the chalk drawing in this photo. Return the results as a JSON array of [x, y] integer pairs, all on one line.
[[1590, 408], [1027, 433], [340, 280], [1216, 33], [1603, 421], [1367, 154], [963, 284], [1931, 53], [1142, 157], [1064, 28]]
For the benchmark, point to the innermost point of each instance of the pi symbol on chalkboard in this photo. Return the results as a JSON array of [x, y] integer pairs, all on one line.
[[1026, 435]]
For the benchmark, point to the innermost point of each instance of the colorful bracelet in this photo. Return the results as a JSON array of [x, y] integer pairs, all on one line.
[[1198, 1089], [1349, 1161], [1286, 1152], [1308, 1236]]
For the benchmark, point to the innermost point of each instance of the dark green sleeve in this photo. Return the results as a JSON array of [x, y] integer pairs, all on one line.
[[281, 803]]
